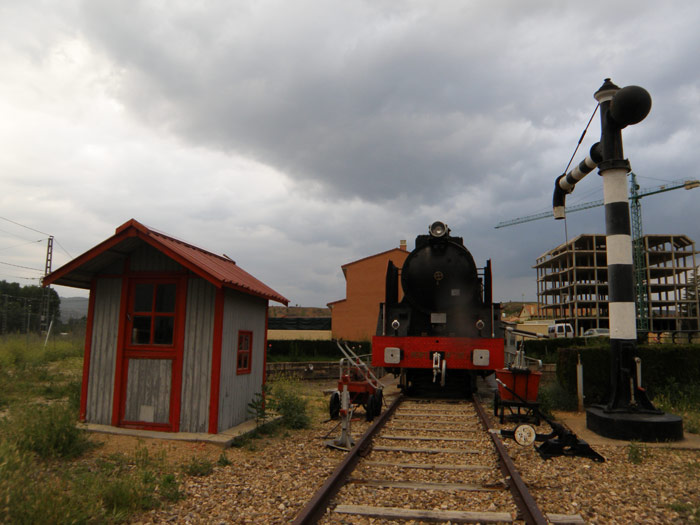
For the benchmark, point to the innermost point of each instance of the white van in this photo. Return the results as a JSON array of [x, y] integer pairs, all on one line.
[[560, 330]]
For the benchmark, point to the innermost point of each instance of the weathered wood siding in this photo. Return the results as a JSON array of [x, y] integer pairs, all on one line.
[[197, 356], [241, 312], [148, 259], [148, 390], [103, 353]]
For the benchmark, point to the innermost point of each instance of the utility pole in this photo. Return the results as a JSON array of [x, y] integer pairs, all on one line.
[[46, 295], [4, 314]]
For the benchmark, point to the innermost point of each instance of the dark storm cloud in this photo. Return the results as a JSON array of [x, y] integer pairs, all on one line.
[[375, 117], [466, 110], [369, 101]]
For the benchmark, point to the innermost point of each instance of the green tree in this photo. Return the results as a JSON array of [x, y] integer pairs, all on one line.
[[20, 307]]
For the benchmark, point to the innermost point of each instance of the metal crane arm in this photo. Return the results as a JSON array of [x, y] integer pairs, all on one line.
[[673, 185]]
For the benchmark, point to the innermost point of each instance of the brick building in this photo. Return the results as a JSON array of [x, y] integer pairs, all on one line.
[[355, 317]]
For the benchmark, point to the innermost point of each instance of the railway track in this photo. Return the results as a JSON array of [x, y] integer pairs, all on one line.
[[427, 461]]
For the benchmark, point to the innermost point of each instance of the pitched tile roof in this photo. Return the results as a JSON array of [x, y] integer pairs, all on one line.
[[219, 270]]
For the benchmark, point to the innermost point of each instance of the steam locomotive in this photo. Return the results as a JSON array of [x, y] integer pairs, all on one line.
[[445, 330]]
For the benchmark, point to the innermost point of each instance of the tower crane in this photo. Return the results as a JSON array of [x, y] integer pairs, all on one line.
[[636, 193]]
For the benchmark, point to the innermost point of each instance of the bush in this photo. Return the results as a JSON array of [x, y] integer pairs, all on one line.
[[596, 372], [258, 406], [548, 349], [670, 370], [49, 431], [552, 397], [290, 405]]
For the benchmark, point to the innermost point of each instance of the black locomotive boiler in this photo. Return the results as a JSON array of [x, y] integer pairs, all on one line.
[[445, 329]]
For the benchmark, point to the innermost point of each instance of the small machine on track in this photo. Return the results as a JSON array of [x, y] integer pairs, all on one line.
[[518, 385], [357, 386], [517, 393]]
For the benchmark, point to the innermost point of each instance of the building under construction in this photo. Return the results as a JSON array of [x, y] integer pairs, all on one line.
[[572, 284]]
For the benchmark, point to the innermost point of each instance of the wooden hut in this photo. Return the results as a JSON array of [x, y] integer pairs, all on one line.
[[176, 336]]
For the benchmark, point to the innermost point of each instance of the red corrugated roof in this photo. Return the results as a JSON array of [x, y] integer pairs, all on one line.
[[220, 271]]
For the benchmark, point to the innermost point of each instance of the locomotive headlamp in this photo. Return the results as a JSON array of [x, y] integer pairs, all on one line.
[[438, 229], [395, 324], [479, 325]]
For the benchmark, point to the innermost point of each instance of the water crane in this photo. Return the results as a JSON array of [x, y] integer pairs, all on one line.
[[638, 249]]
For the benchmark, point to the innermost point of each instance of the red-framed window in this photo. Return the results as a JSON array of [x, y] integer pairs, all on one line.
[[153, 314], [244, 355]]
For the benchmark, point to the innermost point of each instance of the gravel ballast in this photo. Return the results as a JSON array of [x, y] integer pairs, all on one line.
[[270, 480]]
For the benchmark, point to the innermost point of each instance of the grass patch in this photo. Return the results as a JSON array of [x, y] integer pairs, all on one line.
[[170, 488], [19, 350], [637, 452], [552, 396], [287, 399], [682, 400], [690, 512], [39, 480], [223, 460], [47, 430], [31, 494], [198, 467]]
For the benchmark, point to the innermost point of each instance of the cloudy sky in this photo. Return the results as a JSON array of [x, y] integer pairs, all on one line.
[[299, 136]]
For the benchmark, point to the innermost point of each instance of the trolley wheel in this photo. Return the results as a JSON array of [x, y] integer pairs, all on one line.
[[370, 407], [334, 405], [379, 396]]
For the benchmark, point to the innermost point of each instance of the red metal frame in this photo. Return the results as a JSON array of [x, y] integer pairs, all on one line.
[[216, 362], [174, 352], [249, 351], [264, 372], [88, 351], [417, 351], [355, 386], [525, 383]]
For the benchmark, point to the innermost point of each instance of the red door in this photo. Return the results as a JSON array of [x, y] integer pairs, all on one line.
[[151, 364]]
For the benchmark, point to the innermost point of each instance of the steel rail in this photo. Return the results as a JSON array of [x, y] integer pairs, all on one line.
[[526, 504], [317, 505]]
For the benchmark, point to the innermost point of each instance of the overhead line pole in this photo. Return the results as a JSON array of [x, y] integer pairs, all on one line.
[[46, 296]]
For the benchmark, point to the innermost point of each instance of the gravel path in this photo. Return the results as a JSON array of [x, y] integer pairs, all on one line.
[[272, 482]]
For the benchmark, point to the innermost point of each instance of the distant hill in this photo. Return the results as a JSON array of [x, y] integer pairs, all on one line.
[[73, 308]]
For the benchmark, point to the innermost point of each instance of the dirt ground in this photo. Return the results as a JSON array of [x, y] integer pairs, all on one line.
[[175, 452]]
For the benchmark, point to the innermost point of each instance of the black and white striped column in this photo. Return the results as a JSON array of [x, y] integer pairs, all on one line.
[[621, 304], [565, 183], [628, 413], [613, 167]]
